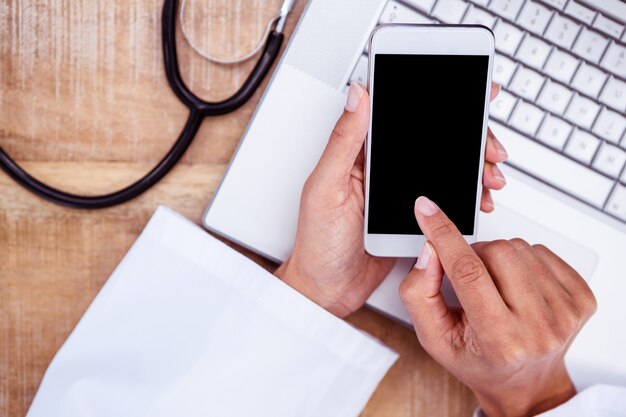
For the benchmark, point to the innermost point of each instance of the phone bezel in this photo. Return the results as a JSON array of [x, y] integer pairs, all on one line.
[[405, 39]]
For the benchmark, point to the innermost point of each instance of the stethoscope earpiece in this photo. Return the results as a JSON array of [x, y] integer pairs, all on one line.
[[276, 22]]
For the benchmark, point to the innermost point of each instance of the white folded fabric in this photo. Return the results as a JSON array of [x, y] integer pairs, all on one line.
[[186, 326]]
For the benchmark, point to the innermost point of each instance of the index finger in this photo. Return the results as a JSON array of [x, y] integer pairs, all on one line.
[[468, 275]]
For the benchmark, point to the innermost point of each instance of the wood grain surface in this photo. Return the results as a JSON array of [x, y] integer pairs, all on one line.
[[84, 105]]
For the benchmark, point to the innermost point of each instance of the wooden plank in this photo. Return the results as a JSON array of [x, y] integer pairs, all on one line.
[[84, 104]]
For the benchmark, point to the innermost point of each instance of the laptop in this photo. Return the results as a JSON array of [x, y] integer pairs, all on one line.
[[561, 116]]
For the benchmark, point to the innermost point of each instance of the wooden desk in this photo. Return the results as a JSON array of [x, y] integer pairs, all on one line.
[[84, 105]]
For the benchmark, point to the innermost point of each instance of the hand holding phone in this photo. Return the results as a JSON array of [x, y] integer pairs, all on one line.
[[430, 88], [329, 264]]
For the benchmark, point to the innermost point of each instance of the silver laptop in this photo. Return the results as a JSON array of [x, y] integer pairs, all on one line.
[[561, 116]]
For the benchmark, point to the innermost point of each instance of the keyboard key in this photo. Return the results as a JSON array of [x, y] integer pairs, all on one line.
[[476, 16], [562, 31], [526, 83], [506, 8], [582, 146], [608, 26], [610, 160], [557, 4], [554, 97], [450, 11], [501, 107], [589, 80], [425, 5], [614, 94], [508, 37], [554, 132], [615, 9], [526, 117], [553, 168], [582, 111], [397, 13], [503, 69], [561, 66], [534, 17], [481, 2], [533, 52], [590, 45], [580, 12], [614, 60], [617, 203], [610, 125], [360, 71]]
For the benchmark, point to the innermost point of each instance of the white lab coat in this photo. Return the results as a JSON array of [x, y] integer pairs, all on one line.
[[188, 326], [596, 401]]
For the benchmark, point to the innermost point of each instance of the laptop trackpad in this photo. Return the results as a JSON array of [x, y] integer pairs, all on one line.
[[503, 223]]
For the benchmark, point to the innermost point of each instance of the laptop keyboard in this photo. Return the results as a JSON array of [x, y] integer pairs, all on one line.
[[562, 108]]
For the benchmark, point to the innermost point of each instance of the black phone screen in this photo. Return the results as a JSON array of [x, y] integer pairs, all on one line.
[[427, 122]]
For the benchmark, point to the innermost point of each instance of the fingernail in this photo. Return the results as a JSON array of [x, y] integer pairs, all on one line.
[[489, 201], [497, 86], [424, 257], [499, 148], [497, 174], [425, 206], [354, 97]]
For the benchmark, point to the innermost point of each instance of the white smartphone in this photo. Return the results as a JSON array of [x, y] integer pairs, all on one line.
[[429, 89]]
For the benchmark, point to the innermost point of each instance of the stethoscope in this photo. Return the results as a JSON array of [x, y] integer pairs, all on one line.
[[198, 110]]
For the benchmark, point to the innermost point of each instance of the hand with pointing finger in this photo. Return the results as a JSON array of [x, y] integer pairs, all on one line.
[[522, 306]]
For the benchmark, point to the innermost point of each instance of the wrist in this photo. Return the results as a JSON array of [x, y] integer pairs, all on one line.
[[521, 402], [293, 277]]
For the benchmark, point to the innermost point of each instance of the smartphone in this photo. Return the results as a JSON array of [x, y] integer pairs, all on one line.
[[429, 89]]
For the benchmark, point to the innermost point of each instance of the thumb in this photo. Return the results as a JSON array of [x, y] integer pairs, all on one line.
[[421, 293], [347, 138]]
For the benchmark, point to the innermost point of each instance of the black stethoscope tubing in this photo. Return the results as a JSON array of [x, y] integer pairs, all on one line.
[[198, 110]]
